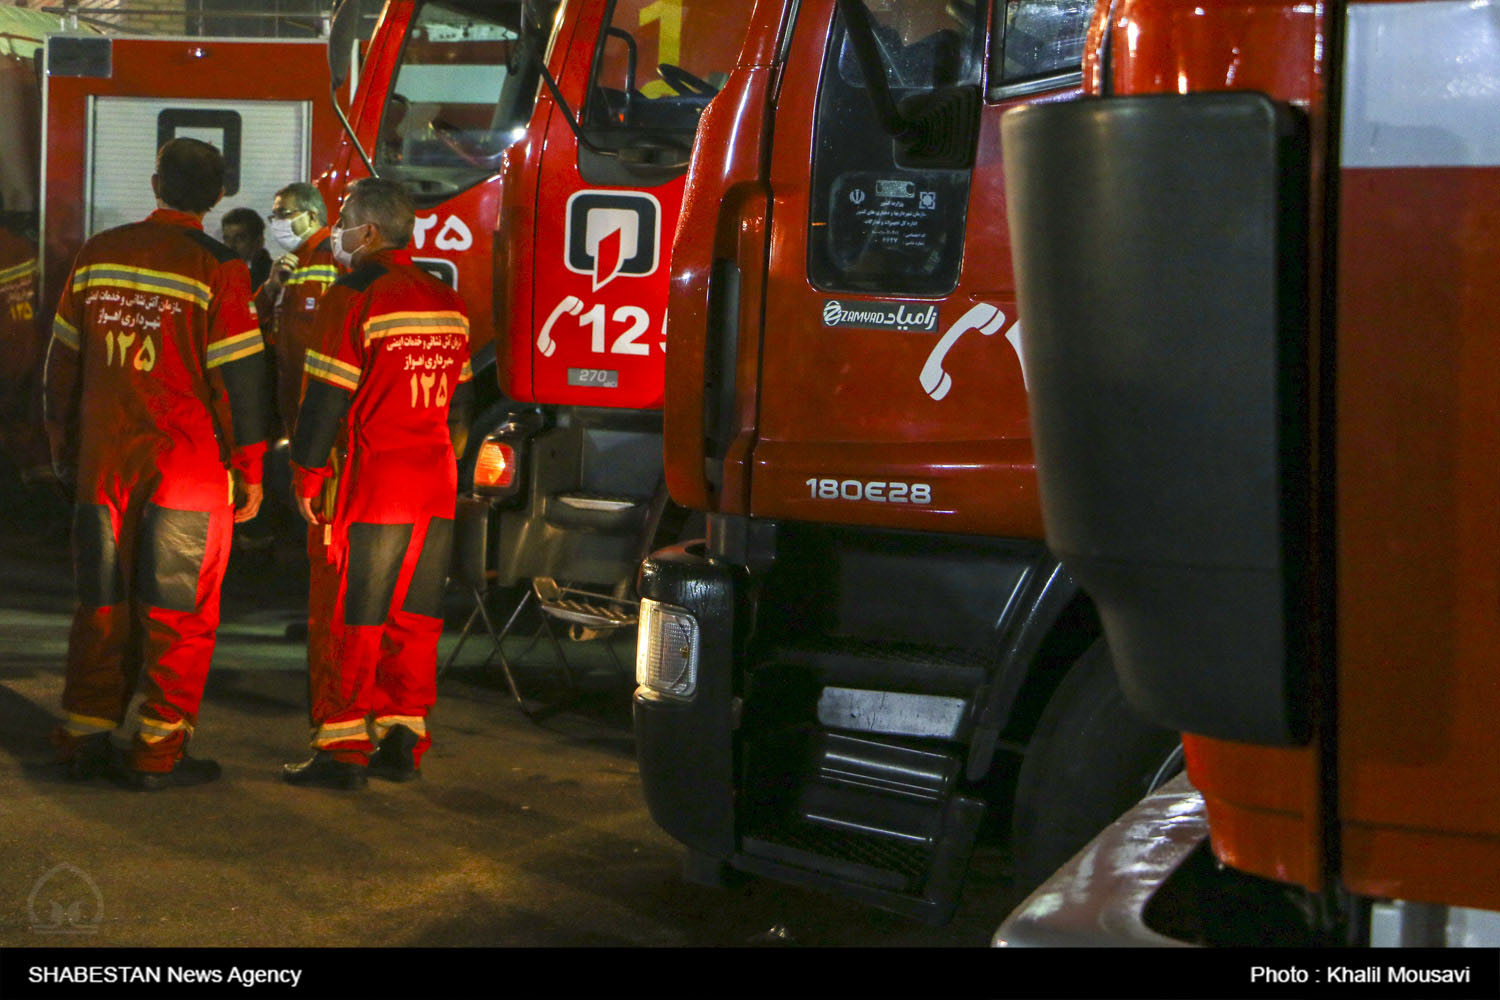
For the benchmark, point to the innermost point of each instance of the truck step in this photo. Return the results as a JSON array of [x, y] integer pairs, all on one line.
[[918, 880], [909, 773], [597, 511], [869, 860], [883, 666]]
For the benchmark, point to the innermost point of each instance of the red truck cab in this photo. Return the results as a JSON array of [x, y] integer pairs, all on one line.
[[570, 456], [546, 144], [1288, 428], [872, 655], [446, 86]]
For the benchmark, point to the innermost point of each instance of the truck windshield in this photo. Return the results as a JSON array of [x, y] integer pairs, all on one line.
[[661, 61], [461, 94]]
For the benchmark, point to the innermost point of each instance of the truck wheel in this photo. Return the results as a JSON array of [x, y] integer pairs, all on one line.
[[1091, 758]]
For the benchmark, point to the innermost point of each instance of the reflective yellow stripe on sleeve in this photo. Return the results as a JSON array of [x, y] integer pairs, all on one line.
[[65, 333], [332, 371], [241, 345], [23, 270]]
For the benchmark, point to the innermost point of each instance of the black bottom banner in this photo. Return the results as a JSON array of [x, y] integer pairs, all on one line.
[[60, 972]]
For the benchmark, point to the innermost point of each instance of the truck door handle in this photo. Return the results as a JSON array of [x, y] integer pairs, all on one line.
[[721, 352]]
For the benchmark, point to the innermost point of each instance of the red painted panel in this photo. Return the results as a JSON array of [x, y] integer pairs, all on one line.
[[585, 317], [1259, 801], [1177, 46], [869, 407], [184, 68], [724, 216], [1419, 488]]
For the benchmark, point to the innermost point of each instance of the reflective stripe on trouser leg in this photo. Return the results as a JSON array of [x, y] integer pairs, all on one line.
[[346, 739], [406, 676], [83, 725], [384, 723], [183, 555]]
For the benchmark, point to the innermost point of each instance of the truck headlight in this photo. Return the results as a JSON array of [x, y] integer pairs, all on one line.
[[495, 468], [666, 650]]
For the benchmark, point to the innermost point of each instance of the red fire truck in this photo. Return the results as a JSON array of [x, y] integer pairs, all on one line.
[[547, 146], [1258, 281], [872, 656], [89, 133]]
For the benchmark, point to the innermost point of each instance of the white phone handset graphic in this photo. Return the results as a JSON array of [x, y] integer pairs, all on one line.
[[985, 318], [571, 305]]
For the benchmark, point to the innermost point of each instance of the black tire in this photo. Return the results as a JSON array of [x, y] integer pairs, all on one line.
[[1091, 758]]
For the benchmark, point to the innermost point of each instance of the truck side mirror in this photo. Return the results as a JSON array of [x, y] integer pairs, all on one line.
[[341, 33]]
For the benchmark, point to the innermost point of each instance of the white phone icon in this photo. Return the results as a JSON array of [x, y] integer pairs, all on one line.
[[571, 305], [985, 318]]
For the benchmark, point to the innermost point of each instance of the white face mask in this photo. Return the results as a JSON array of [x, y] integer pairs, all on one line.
[[345, 258], [282, 235]]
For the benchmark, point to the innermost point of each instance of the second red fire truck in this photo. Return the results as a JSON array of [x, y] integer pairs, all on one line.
[[873, 658]]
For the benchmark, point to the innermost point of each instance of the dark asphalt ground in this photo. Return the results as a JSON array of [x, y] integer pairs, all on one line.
[[519, 834]]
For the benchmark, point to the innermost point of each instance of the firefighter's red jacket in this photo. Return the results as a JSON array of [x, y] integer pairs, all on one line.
[[290, 330], [156, 370], [393, 352]]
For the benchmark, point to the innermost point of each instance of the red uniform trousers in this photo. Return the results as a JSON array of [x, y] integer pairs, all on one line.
[[374, 623], [148, 575]]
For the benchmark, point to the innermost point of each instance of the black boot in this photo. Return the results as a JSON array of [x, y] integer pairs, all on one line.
[[323, 770], [93, 757], [188, 771], [395, 761]]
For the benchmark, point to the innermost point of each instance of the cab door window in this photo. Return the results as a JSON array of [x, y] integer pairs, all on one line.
[[658, 64], [875, 225]]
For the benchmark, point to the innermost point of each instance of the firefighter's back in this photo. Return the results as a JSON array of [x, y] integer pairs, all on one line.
[[141, 300], [415, 337]]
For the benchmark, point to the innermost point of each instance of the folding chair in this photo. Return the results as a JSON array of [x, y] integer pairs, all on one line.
[[469, 569], [587, 614]]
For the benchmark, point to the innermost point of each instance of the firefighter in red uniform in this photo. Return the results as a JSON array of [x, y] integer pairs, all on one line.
[[390, 374], [288, 304], [288, 300], [155, 387]]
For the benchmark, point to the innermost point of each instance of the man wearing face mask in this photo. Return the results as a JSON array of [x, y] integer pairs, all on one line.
[[289, 298], [387, 383]]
